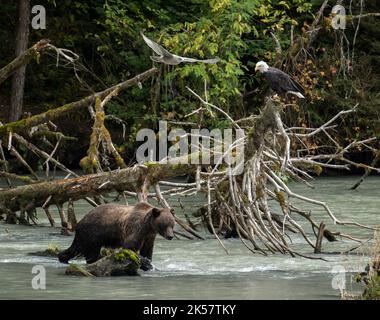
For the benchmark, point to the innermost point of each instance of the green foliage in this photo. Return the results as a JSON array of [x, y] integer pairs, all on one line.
[[372, 290], [106, 35], [219, 31]]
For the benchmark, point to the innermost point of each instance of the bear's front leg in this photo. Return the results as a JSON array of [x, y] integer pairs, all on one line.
[[146, 264], [147, 248], [146, 253]]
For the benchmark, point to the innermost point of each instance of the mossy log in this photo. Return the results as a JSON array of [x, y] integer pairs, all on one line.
[[32, 53], [53, 114], [122, 262], [24, 179], [61, 191]]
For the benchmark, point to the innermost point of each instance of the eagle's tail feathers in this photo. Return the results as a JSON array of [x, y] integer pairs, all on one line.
[[298, 94]]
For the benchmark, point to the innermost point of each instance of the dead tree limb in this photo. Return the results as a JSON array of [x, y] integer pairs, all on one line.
[[12, 176], [100, 136], [367, 171], [51, 115], [32, 53], [71, 218], [15, 153], [243, 200], [318, 244], [49, 216]]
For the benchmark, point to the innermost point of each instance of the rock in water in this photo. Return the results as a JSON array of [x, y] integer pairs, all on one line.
[[121, 262]]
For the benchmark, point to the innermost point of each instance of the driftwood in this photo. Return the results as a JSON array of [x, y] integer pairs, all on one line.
[[367, 171], [318, 244], [240, 203]]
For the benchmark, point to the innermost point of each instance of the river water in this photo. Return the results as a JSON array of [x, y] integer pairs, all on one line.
[[196, 269]]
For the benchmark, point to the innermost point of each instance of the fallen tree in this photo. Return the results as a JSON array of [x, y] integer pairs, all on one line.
[[55, 192]]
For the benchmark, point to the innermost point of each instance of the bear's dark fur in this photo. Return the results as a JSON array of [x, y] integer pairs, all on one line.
[[113, 225]]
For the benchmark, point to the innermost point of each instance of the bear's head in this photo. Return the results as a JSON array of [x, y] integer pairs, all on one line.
[[163, 222]]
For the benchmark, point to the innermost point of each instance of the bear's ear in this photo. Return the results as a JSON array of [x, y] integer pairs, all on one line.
[[156, 212]]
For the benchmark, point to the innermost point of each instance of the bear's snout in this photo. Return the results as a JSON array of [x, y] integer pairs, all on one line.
[[169, 237]]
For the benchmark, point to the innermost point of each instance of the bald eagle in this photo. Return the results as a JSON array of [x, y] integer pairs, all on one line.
[[279, 81]]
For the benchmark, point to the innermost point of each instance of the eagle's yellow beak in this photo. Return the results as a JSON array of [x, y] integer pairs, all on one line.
[[256, 68]]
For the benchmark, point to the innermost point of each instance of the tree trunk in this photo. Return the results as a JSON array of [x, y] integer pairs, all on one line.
[[18, 80]]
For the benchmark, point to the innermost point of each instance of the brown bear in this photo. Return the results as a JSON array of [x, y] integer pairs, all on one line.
[[114, 225]]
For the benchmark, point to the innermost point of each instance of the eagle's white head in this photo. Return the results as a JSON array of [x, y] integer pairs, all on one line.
[[261, 66]]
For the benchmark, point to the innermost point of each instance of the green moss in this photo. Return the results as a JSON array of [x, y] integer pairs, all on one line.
[[281, 197], [151, 164], [250, 133], [52, 249], [317, 169], [124, 254], [77, 270], [87, 164], [26, 123]]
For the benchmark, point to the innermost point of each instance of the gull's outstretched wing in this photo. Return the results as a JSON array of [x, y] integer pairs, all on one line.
[[156, 47], [191, 60], [164, 56]]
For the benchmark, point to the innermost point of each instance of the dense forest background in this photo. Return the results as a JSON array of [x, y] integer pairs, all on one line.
[[338, 68]]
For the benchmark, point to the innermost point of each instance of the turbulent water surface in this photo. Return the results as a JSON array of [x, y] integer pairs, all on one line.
[[198, 269]]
